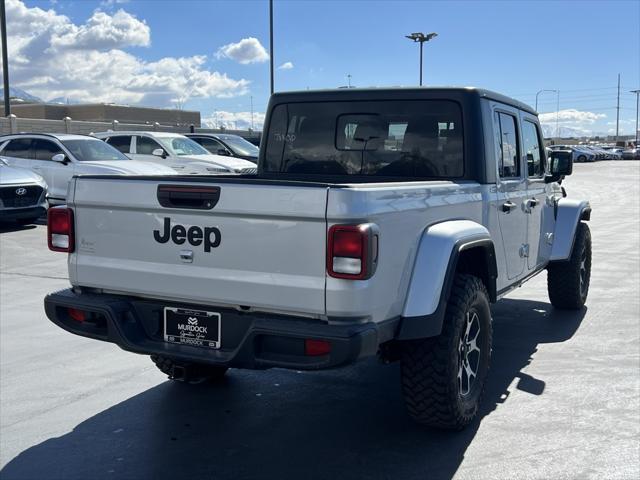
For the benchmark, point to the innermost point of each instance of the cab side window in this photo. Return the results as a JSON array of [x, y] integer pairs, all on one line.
[[507, 145], [533, 149], [146, 146], [45, 149], [122, 143], [19, 148]]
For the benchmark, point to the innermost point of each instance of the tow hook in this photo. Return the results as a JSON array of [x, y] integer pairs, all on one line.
[[178, 372]]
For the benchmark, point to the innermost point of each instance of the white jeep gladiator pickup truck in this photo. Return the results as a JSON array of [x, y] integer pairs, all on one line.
[[381, 221]]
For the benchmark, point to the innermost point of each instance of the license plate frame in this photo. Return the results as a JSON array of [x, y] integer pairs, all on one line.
[[198, 328]]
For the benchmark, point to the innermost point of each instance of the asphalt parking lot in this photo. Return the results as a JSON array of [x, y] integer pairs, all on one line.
[[563, 399]]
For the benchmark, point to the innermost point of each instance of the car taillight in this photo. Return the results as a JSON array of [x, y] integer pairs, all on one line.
[[352, 251], [77, 315], [60, 229], [316, 348]]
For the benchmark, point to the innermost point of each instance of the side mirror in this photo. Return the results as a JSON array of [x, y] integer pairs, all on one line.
[[224, 151], [60, 158], [560, 165], [158, 152]]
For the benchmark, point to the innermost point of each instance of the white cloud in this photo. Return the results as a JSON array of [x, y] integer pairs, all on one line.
[[103, 31], [570, 122], [239, 120], [247, 50], [572, 115], [53, 57], [286, 66], [110, 3]]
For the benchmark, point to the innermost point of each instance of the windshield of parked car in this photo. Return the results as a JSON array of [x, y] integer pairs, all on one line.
[[182, 146], [416, 139], [93, 150], [239, 145]]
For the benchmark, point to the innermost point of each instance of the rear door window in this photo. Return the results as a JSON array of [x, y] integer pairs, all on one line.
[[507, 145], [121, 143], [407, 139], [19, 148]]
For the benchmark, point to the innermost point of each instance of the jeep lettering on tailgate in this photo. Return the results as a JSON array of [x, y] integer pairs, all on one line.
[[194, 235]]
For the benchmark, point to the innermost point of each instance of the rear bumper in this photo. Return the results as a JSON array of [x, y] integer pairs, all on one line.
[[249, 340], [19, 213]]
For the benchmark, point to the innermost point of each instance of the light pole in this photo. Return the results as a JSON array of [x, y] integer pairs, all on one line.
[[5, 60], [637, 92], [271, 44], [541, 91], [421, 38]]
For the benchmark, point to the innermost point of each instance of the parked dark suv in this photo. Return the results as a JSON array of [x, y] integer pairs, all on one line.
[[227, 144]]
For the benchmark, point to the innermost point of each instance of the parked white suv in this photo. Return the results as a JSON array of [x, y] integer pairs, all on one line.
[[176, 151], [58, 157]]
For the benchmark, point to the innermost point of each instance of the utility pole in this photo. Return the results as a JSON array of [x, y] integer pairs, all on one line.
[[270, 43], [557, 113], [5, 60], [637, 92], [618, 111]]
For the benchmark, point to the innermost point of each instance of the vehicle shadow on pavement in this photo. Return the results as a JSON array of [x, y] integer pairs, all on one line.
[[9, 227], [347, 423]]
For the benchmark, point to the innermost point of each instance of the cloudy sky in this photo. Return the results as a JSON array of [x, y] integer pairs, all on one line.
[[213, 56]]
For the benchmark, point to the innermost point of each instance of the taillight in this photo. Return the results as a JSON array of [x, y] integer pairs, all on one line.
[[77, 315], [352, 251], [316, 348], [60, 229]]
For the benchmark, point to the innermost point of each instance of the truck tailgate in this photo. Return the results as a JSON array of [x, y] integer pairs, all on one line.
[[261, 245]]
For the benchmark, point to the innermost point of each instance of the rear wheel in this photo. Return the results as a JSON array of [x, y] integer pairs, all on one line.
[[443, 377], [568, 281], [188, 372]]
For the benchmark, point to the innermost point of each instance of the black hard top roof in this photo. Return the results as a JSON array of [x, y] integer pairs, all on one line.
[[399, 93]]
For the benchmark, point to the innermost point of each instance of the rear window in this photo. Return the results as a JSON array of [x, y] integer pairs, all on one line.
[[417, 139]]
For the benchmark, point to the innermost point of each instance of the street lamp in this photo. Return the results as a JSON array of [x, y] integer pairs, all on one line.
[[637, 92], [541, 91], [5, 60], [271, 46], [421, 38]]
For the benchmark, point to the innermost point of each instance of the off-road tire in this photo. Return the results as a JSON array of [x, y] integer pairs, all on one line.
[[430, 366], [188, 372], [568, 281]]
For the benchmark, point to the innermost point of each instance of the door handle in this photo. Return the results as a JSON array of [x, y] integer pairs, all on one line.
[[532, 202], [508, 206]]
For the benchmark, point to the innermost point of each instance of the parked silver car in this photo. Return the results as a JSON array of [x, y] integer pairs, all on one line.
[[579, 154], [22, 194]]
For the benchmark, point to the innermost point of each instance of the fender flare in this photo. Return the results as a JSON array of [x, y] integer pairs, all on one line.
[[568, 215], [439, 251]]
